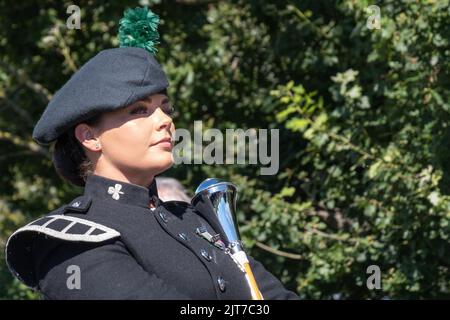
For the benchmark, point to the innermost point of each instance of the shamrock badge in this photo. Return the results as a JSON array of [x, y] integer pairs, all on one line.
[[115, 191]]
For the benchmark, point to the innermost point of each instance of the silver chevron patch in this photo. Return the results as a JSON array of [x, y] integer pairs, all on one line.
[[70, 229]]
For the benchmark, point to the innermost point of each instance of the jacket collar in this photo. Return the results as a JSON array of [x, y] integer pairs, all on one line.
[[125, 193]]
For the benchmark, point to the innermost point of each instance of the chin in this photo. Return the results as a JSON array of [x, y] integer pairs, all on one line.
[[161, 164]]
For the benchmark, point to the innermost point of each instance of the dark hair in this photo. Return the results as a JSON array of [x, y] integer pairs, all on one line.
[[69, 158]]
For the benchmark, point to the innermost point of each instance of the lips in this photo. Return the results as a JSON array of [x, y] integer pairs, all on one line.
[[165, 142]]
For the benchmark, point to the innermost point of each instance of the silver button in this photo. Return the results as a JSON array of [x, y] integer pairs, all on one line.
[[206, 255], [183, 236], [163, 216], [200, 230], [76, 204], [221, 283]]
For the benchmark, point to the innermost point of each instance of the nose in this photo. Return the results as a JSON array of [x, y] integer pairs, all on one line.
[[164, 121]]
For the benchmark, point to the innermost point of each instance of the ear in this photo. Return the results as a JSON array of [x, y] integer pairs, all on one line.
[[87, 137]]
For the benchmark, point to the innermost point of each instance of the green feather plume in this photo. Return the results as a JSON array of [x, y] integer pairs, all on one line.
[[139, 28]]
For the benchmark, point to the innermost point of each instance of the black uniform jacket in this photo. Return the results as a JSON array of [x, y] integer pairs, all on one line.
[[120, 248]]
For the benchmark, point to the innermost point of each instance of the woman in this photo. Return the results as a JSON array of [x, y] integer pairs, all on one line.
[[112, 125]]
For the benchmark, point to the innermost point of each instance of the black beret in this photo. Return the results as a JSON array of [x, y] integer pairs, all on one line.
[[112, 79]]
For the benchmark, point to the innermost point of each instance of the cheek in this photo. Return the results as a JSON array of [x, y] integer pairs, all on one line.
[[128, 146], [127, 141]]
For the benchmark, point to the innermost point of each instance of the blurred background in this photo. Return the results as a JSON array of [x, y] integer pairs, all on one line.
[[363, 114]]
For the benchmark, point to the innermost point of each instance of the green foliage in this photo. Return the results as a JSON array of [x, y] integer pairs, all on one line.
[[363, 117]]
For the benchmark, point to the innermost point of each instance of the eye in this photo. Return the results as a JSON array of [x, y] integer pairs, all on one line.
[[139, 109], [169, 110]]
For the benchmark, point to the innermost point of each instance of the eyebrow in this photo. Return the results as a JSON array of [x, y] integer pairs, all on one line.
[[165, 100]]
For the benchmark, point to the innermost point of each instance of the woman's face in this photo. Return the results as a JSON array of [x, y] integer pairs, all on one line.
[[136, 140]]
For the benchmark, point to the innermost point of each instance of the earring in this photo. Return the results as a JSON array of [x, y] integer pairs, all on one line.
[[97, 145]]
